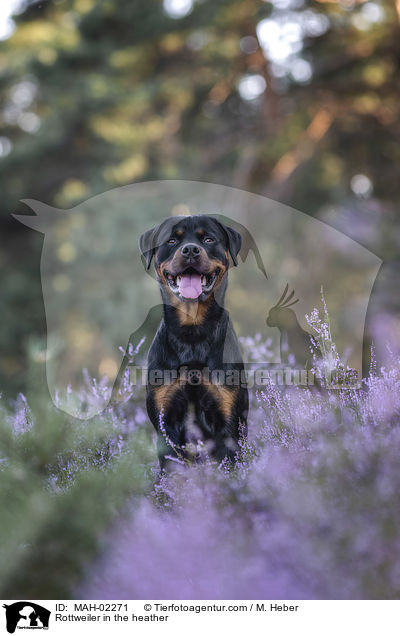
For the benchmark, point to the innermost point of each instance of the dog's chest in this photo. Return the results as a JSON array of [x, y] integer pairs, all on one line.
[[198, 353]]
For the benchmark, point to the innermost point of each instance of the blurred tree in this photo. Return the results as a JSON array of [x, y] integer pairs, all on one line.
[[295, 99]]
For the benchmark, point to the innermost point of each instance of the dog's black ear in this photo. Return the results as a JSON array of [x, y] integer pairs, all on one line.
[[147, 246], [234, 241], [248, 243]]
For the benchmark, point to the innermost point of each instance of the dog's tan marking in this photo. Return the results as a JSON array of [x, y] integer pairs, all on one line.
[[161, 270], [224, 397], [214, 263], [164, 394], [161, 274], [192, 313]]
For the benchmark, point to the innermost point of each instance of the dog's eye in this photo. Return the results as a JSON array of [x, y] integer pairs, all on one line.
[[209, 239], [171, 241]]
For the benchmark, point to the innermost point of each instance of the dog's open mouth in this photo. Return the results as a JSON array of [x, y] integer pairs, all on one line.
[[191, 284]]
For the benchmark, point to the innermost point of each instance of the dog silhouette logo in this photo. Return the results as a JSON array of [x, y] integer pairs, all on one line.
[[103, 310], [26, 615]]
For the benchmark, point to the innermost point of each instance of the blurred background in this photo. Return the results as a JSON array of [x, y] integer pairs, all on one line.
[[296, 100]]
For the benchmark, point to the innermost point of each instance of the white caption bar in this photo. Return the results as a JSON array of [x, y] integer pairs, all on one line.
[[176, 617]]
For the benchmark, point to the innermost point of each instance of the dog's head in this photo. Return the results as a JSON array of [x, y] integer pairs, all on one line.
[[191, 255]]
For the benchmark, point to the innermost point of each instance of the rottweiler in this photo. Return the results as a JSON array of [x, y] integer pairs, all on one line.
[[192, 393]]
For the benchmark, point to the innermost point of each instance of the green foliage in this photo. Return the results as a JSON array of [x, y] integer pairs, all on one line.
[[62, 484]]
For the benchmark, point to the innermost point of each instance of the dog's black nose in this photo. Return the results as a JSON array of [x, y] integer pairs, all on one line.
[[190, 250]]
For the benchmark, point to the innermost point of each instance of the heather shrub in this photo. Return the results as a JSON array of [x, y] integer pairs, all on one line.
[[309, 510]]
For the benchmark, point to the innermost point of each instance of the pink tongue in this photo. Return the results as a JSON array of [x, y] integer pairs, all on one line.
[[190, 285]]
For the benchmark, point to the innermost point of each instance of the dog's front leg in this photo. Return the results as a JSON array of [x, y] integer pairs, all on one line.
[[220, 404], [167, 407], [226, 442]]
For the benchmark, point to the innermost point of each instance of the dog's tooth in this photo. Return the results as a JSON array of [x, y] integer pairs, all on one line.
[[178, 280], [203, 280]]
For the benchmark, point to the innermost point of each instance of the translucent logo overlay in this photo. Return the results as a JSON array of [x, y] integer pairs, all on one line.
[[297, 290]]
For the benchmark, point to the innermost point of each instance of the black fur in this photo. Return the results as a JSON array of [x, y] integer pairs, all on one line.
[[194, 335]]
